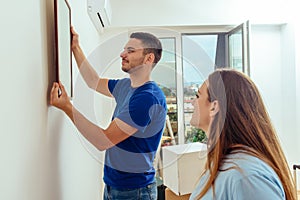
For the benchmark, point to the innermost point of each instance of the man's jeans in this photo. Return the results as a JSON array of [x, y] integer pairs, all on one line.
[[146, 193]]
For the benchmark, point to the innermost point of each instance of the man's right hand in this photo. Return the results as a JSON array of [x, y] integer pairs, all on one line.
[[75, 39], [88, 73], [76, 49]]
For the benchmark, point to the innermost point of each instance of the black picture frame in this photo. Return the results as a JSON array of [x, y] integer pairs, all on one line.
[[63, 41]]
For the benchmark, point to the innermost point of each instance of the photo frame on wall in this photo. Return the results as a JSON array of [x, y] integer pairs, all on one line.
[[63, 41]]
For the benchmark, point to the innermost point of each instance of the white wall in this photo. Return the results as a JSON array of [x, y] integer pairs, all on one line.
[[297, 74], [273, 70], [78, 167], [296, 27], [41, 154], [195, 12], [23, 104]]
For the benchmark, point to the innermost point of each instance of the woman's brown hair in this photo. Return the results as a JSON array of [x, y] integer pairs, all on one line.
[[242, 124]]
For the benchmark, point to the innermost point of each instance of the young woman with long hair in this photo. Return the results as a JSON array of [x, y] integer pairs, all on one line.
[[244, 157]]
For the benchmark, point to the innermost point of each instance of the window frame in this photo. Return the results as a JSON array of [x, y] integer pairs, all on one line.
[[177, 33]]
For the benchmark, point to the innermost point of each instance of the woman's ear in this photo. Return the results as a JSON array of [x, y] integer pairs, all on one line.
[[214, 108]]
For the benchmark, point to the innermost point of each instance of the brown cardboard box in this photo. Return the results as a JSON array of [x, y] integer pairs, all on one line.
[[169, 195]]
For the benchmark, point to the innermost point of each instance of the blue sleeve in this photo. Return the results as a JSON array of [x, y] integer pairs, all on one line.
[[112, 84], [257, 187]]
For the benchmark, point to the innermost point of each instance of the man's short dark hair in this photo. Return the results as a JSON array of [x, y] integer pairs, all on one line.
[[151, 44]]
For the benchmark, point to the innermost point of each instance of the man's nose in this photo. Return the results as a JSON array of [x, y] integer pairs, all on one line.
[[123, 54]]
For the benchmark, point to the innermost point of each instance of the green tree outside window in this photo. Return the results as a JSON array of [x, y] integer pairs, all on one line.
[[196, 135]]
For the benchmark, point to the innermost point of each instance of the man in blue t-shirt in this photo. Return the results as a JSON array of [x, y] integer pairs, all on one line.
[[133, 136]]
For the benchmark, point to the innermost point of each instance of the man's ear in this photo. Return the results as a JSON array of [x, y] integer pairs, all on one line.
[[149, 58], [214, 108]]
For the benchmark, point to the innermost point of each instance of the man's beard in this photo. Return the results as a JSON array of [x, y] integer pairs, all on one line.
[[131, 69]]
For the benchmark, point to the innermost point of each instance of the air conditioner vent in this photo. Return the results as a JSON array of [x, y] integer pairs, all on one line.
[[100, 13], [101, 21]]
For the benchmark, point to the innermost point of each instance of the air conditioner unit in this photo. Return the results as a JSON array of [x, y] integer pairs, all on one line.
[[100, 13]]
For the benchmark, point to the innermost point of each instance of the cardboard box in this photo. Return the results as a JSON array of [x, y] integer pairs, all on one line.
[[169, 195], [183, 166]]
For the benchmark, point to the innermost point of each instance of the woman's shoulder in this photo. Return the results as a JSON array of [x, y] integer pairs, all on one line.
[[250, 176], [241, 165], [243, 176]]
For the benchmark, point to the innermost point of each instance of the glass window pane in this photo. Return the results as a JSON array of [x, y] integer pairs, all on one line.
[[236, 50], [199, 52], [165, 76]]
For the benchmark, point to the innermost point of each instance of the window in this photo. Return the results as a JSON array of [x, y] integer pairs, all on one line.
[[188, 58], [198, 61], [165, 76], [238, 48]]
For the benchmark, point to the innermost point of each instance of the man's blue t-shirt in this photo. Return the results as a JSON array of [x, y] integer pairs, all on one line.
[[129, 164]]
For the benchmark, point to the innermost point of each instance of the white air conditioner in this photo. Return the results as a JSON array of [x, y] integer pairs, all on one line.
[[100, 13]]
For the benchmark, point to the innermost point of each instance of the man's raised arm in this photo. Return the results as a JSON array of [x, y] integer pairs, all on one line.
[[88, 73]]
